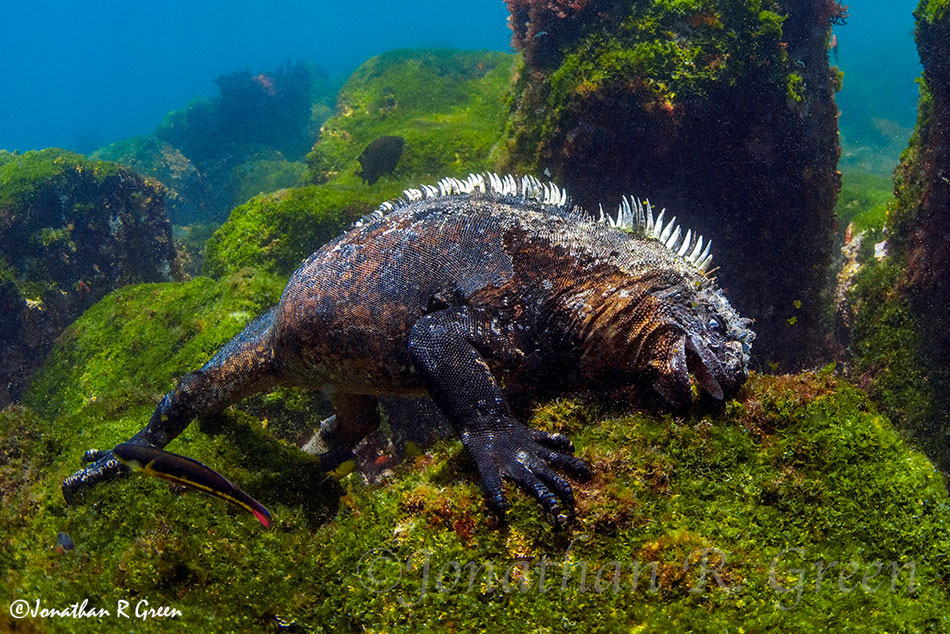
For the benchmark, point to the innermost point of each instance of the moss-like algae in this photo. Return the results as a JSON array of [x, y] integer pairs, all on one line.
[[863, 200], [265, 175], [932, 11], [679, 49], [795, 462], [886, 348], [25, 177], [275, 232], [448, 105], [668, 52]]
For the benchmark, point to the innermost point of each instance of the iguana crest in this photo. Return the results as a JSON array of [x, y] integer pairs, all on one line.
[[633, 214]]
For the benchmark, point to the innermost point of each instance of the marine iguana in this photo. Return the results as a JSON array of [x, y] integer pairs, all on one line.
[[472, 292]]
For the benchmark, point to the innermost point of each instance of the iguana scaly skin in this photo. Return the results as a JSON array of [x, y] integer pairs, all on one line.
[[472, 292]]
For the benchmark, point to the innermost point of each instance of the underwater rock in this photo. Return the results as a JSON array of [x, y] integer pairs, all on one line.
[[186, 191], [901, 340], [921, 224], [380, 158], [722, 110], [449, 106], [71, 230], [251, 136], [260, 176], [275, 232]]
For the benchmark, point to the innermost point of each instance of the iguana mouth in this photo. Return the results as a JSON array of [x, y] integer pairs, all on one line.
[[705, 368]]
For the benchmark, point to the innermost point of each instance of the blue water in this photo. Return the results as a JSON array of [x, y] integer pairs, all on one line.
[[82, 75], [878, 105]]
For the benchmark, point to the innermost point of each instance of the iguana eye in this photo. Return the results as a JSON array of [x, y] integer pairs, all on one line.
[[714, 324]]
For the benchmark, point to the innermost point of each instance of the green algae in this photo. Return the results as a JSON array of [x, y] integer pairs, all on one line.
[[679, 50], [864, 200], [448, 105], [141, 338], [795, 462], [275, 232], [264, 176], [24, 178], [932, 11], [886, 344], [668, 54]]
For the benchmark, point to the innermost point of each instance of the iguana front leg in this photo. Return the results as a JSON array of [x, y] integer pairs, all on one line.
[[447, 348]]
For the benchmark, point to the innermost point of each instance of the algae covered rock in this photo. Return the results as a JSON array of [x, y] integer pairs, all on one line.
[[901, 341], [71, 230], [186, 191], [275, 232], [721, 111], [449, 106], [794, 506]]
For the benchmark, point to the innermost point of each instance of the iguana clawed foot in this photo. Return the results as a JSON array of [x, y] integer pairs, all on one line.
[[507, 449], [100, 466]]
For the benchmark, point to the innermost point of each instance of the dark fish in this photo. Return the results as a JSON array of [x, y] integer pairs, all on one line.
[[380, 157], [190, 473], [64, 542]]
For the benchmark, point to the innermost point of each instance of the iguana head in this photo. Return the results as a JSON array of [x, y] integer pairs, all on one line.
[[695, 332], [705, 339]]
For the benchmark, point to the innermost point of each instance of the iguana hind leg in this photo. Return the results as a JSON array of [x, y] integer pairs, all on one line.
[[354, 417], [447, 348], [244, 366]]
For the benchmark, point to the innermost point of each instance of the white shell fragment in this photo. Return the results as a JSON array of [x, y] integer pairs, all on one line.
[[633, 215], [880, 250]]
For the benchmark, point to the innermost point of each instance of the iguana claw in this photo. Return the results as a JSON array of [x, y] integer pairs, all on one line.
[[525, 456], [104, 466]]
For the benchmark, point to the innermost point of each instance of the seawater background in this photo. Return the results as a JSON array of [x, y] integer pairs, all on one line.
[[878, 104], [82, 75]]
